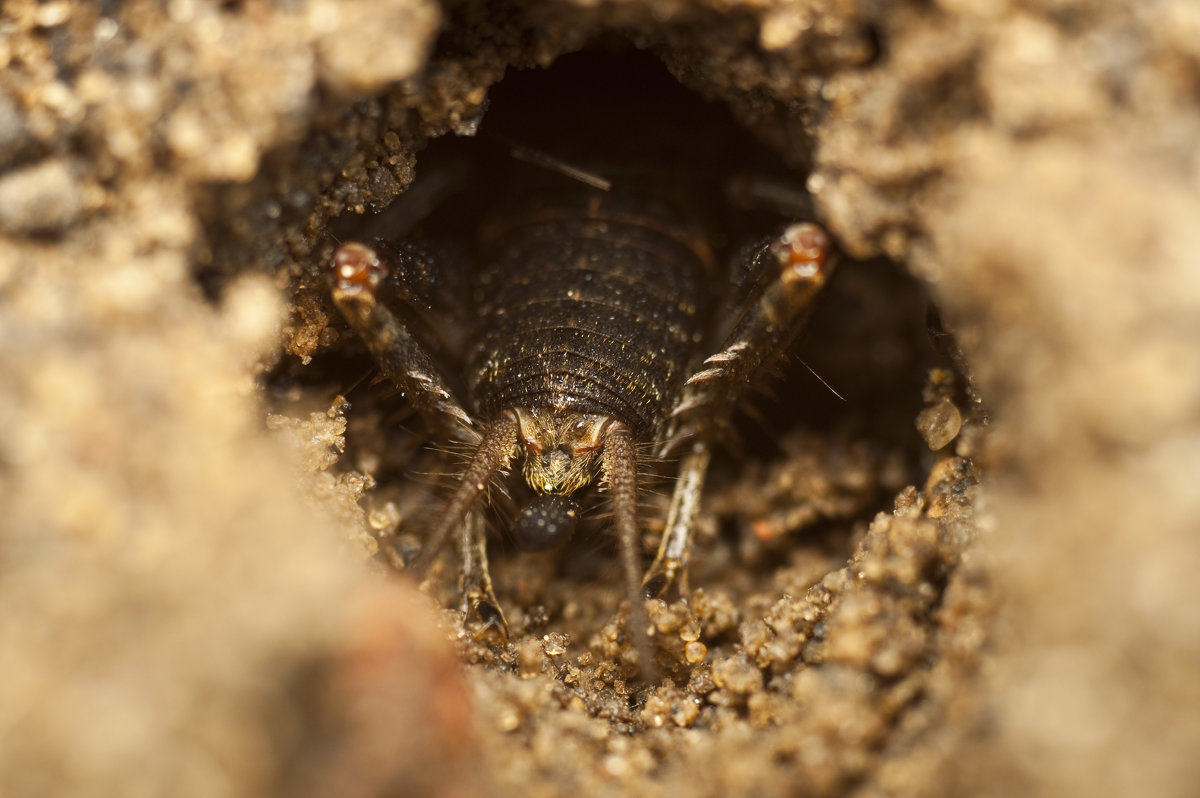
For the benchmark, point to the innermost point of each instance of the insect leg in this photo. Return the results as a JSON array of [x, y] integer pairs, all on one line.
[[619, 463], [797, 264], [672, 557], [359, 273], [484, 618]]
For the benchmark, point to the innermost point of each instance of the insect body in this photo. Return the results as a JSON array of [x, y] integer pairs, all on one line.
[[591, 326]]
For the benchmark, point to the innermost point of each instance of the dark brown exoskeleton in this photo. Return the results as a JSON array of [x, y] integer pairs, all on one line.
[[597, 332]]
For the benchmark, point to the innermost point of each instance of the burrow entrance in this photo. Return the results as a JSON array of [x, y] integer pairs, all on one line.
[[831, 531]]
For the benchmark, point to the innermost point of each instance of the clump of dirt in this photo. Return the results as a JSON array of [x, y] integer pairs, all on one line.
[[194, 596]]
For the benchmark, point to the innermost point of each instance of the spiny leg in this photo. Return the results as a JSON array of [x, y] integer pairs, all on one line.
[[483, 617], [359, 273], [672, 558], [619, 463], [798, 263]]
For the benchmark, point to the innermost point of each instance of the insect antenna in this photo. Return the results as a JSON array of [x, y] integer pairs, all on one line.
[[545, 160], [493, 454], [821, 380], [619, 461], [366, 376]]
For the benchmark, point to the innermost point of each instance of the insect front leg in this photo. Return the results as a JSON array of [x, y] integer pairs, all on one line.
[[361, 274], [483, 617], [788, 270], [673, 550]]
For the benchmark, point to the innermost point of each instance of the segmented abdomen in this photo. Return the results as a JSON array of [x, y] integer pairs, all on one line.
[[596, 311]]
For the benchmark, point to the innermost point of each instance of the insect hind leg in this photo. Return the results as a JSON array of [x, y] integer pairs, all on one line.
[[796, 264], [788, 270], [360, 274]]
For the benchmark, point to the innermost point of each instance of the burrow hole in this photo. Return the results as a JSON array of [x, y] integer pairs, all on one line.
[[839, 410]]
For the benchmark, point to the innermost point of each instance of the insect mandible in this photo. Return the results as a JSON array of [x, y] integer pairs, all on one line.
[[598, 325]]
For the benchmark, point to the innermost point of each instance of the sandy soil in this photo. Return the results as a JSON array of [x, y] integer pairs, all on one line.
[[194, 590]]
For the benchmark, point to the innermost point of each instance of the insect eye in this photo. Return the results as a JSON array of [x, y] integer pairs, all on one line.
[[545, 521]]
